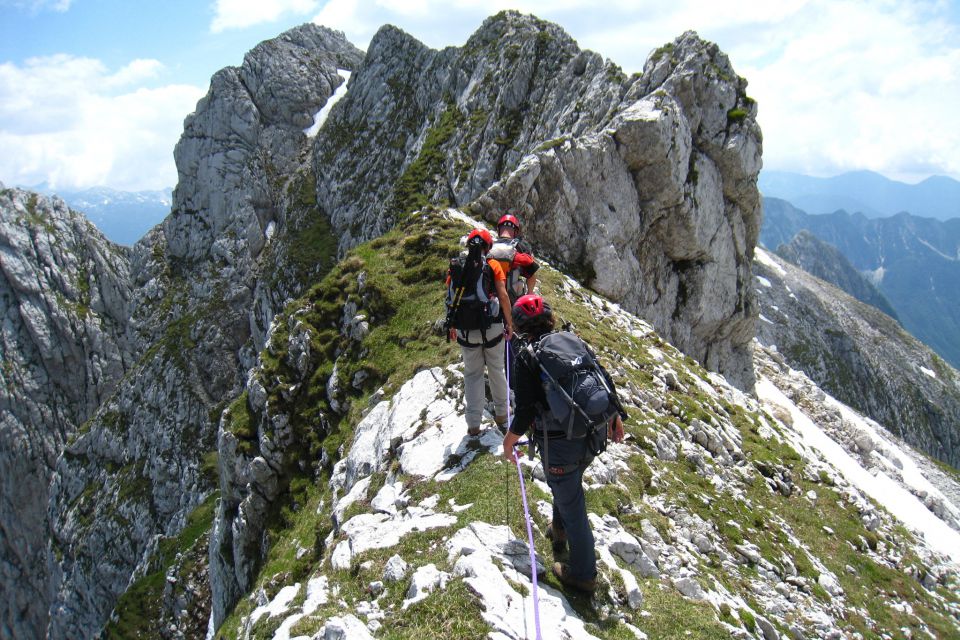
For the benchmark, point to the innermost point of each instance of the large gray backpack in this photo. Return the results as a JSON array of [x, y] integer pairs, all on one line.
[[580, 396]]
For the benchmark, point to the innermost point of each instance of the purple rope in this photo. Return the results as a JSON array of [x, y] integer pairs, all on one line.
[[533, 556], [526, 514]]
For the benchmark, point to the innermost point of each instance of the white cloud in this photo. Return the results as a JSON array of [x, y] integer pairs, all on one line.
[[879, 96], [239, 14], [136, 71], [62, 121]]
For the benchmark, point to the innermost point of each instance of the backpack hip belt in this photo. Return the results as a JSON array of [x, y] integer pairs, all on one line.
[[486, 344]]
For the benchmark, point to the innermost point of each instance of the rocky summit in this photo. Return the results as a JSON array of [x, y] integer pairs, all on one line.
[[249, 425]]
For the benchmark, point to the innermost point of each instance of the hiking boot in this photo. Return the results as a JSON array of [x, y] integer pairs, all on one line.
[[562, 571], [558, 539], [473, 431], [501, 424]]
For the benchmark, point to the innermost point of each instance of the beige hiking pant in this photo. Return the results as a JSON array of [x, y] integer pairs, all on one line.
[[474, 360]]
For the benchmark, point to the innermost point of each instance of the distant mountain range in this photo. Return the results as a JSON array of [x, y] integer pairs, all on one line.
[[123, 216], [864, 192], [914, 262]]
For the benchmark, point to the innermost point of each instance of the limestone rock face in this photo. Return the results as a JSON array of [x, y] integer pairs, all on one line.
[[648, 179], [204, 289], [64, 302], [247, 132], [659, 210]]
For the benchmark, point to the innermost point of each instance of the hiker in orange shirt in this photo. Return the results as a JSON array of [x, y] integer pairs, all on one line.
[[515, 256], [479, 318]]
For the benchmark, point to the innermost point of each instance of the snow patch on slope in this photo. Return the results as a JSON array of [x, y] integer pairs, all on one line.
[[881, 487]]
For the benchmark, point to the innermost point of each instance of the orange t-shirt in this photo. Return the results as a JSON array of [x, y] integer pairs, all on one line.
[[498, 273]]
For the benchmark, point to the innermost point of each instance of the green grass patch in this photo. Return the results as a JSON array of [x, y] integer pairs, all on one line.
[[673, 617], [551, 144], [242, 423], [736, 116], [409, 194]]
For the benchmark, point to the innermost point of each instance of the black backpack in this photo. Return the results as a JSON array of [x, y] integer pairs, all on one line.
[[580, 396], [472, 303]]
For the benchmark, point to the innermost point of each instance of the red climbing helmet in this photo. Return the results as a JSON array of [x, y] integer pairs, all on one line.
[[508, 219], [480, 235], [527, 309]]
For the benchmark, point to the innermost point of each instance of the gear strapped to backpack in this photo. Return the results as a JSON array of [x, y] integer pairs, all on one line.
[[515, 257], [472, 302], [580, 396]]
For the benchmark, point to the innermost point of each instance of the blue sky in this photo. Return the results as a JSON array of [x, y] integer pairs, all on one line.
[[94, 92]]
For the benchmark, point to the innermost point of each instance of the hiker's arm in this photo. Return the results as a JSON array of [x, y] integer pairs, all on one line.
[[526, 387], [527, 267], [505, 306], [616, 429], [508, 441]]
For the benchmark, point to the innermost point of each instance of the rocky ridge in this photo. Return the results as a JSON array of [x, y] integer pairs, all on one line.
[[717, 504], [448, 124], [203, 285], [63, 302], [860, 355], [649, 178], [426, 137]]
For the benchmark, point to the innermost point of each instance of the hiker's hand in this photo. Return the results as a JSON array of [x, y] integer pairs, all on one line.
[[452, 334], [508, 451], [616, 429], [507, 332]]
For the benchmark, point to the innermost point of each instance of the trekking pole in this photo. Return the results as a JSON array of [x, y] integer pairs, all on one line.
[[533, 555]]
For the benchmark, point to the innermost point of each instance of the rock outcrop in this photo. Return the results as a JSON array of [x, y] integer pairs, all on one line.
[[861, 356], [245, 140], [64, 303], [659, 210], [447, 124], [206, 283]]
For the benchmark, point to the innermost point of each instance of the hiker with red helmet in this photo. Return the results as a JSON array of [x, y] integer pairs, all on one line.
[[479, 318], [515, 256], [569, 403]]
